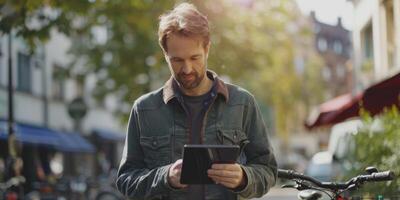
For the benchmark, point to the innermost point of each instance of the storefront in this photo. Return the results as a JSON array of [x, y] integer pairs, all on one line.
[[110, 145], [46, 153]]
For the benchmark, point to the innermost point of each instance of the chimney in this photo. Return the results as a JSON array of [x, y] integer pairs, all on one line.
[[312, 15], [339, 22]]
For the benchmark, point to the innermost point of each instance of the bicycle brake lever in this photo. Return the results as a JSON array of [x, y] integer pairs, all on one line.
[[352, 187], [303, 187], [289, 186], [296, 186]]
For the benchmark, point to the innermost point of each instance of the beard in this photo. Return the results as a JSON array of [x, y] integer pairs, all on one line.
[[189, 81]]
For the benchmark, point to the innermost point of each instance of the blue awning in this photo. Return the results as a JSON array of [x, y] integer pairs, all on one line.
[[109, 135], [73, 142], [3, 129], [30, 134]]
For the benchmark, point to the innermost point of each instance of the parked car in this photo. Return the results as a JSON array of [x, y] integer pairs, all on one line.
[[333, 163], [322, 166]]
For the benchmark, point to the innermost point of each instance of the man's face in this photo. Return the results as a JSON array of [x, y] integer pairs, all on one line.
[[187, 58]]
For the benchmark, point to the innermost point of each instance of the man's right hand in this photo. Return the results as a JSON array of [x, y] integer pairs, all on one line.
[[174, 175]]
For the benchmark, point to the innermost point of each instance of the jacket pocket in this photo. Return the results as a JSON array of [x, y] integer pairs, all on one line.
[[156, 150], [233, 137]]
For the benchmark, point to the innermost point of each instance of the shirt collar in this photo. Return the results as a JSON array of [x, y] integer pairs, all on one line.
[[171, 88]]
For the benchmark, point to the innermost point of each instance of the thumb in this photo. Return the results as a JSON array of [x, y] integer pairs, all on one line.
[[178, 164]]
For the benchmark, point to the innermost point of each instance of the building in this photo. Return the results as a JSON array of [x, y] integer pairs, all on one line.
[[41, 102], [376, 36], [333, 43], [376, 41]]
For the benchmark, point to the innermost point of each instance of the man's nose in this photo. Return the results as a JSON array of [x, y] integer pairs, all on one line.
[[187, 67]]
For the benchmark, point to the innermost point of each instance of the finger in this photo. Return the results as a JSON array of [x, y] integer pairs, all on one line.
[[178, 174], [179, 162], [224, 173], [178, 182], [182, 185], [226, 180], [230, 167], [228, 184]]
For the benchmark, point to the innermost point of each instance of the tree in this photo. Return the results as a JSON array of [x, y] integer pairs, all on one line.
[[116, 40], [254, 44], [33, 20]]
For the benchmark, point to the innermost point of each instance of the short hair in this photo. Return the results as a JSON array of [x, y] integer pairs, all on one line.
[[184, 20]]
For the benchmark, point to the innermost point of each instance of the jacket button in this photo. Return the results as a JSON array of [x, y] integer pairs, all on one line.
[[154, 143]]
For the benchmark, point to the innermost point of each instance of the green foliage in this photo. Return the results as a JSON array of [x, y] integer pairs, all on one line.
[[379, 148], [126, 49], [255, 46], [129, 28], [33, 20]]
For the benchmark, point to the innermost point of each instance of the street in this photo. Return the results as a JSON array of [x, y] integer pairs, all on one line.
[[278, 193]]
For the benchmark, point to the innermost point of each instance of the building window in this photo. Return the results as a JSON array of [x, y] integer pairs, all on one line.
[[24, 73], [368, 46], [58, 89], [390, 33], [337, 47], [326, 73], [322, 44], [58, 86]]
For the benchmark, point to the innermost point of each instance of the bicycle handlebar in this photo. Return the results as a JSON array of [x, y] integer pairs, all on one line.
[[376, 176], [379, 176], [290, 174]]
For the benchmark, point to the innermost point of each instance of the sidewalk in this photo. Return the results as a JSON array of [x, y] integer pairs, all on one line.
[[278, 193]]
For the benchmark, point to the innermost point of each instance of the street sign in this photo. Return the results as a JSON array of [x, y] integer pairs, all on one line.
[[77, 109]]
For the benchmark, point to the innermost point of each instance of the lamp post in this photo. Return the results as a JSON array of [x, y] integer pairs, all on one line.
[[11, 131]]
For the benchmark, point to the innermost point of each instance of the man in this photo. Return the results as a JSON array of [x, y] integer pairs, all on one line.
[[193, 107]]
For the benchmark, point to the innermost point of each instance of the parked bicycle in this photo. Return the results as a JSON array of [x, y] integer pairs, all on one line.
[[106, 187], [6, 191], [310, 188]]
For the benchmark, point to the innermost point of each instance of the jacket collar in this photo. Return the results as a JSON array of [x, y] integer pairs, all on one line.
[[171, 88]]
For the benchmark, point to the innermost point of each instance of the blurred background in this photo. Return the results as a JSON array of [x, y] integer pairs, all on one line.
[[324, 72]]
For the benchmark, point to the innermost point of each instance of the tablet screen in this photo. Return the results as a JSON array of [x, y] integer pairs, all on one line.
[[197, 159]]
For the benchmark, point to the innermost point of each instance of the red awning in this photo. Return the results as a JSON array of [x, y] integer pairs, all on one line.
[[374, 99], [328, 112]]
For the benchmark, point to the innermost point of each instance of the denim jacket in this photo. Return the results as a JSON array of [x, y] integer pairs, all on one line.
[[159, 127]]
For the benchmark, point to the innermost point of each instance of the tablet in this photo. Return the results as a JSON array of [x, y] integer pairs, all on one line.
[[197, 159]]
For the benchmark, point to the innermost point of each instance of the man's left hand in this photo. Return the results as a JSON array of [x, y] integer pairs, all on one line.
[[228, 175]]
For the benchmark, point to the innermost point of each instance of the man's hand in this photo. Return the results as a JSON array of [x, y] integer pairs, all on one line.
[[228, 175], [174, 175]]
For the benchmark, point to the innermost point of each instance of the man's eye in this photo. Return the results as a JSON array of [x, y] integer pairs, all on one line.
[[195, 58], [176, 60]]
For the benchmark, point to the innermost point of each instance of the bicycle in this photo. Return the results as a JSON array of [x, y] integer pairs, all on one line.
[[6, 192], [334, 190], [106, 188]]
